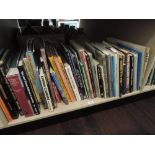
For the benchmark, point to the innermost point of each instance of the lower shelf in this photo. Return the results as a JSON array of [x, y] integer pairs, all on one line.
[[71, 107]]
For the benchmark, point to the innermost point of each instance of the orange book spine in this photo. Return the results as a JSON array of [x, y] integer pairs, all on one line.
[[51, 59], [62, 72], [5, 110]]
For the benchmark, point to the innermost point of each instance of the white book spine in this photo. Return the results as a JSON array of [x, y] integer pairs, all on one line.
[[117, 74], [45, 90], [72, 81]]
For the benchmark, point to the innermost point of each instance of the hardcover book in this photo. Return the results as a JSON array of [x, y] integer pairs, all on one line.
[[16, 85]]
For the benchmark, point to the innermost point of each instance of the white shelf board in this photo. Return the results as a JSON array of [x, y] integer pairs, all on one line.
[[71, 107]]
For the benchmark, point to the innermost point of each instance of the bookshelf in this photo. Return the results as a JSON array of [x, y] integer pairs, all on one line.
[[139, 31], [72, 107]]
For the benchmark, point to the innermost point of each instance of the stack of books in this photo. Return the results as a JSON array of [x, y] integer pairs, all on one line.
[[59, 73]]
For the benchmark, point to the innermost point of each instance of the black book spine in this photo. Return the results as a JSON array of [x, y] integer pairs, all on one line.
[[153, 78], [131, 73], [28, 90], [90, 72], [76, 75], [79, 79], [8, 97], [100, 80]]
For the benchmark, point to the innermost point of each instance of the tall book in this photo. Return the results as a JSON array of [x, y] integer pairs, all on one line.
[[5, 111], [3, 118], [95, 62], [27, 86], [8, 97], [72, 81], [82, 55], [35, 75], [104, 61], [100, 79], [63, 75], [45, 89], [29, 72], [57, 83], [49, 82], [85, 82], [53, 65], [70, 57], [78, 71], [18, 89]]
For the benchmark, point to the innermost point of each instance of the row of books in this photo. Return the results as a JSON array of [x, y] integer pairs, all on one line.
[[58, 73]]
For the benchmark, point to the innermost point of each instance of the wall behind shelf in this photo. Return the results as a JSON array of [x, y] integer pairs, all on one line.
[[134, 30], [8, 29]]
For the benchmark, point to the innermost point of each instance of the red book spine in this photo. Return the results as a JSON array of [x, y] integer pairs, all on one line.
[[20, 95], [57, 95], [83, 58]]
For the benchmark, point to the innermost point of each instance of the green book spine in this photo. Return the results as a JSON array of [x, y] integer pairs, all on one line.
[[85, 80]]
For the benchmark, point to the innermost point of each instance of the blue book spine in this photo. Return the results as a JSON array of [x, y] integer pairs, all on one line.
[[54, 77], [29, 54], [114, 75]]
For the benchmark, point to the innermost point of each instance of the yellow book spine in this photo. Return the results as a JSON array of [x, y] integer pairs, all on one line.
[[30, 74], [68, 83], [51, 59]]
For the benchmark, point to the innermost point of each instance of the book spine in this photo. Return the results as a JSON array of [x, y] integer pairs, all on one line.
[[46, 91], [135, 73], [100, 80], [94, 76], [57, 95], [56, 81], [76, 75], [20, 95], [128, 74], [124, 74], [51, 59], [72, 82], [29, 55], [97, 82], [5, 110], [131, 73], [79, 78], [43, 54], [28, 89], [83, 58], [105, 63], [3, 118], [153, 78], [114, 66], [8, 97], [121, 75], [65, 80], [85, 80], [146, 59], [90, 72], [109, 76], [30, 73]]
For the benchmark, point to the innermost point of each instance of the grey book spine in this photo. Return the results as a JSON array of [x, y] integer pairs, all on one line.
[[103, 59], [3, 118]]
